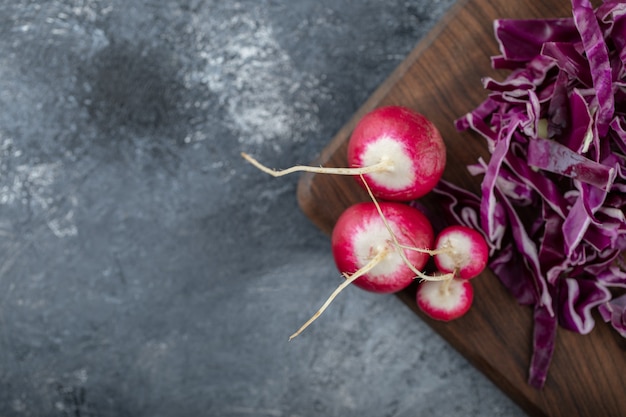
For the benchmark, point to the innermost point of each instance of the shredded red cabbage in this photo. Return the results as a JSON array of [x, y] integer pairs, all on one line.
[[553, 202]]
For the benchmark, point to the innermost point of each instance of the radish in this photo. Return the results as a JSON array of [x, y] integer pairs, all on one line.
[[462, 253], [380, 247], [360, 234], [406, 138], [445, 300], [462, 250], [399, 152]]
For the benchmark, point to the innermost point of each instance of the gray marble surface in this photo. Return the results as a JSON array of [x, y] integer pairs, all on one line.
[[145, 269]]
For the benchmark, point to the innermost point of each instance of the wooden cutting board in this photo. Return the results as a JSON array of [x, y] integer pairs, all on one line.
[[441, 78]]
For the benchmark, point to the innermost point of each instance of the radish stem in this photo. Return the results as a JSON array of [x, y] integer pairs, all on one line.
[[349, 279], [385, 164]]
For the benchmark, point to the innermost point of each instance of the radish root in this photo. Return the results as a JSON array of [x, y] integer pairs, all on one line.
[[401, 248], [445, 288], [445, 248], [385, 164], [349, 279]]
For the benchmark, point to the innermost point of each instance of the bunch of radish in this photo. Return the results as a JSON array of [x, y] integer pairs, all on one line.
[[383, 245]]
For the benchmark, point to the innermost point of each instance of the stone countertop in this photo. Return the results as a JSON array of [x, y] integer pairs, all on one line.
[[145, 268]]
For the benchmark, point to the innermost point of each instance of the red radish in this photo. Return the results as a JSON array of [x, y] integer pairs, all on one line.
[[462, 250], [360, 234], [400, 152], [380, 247], [445, 300], [406, 138]]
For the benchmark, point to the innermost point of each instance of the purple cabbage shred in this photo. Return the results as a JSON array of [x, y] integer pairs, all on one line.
[[552, 199]]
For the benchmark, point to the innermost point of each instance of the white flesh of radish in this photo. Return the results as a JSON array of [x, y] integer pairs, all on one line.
[[401, 175], [437, 297], [459, 251], [373, 238]]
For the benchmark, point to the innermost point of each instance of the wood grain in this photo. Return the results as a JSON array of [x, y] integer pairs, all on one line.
[[441, 78]]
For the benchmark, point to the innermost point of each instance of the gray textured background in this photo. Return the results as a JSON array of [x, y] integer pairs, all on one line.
[[145, 269]]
